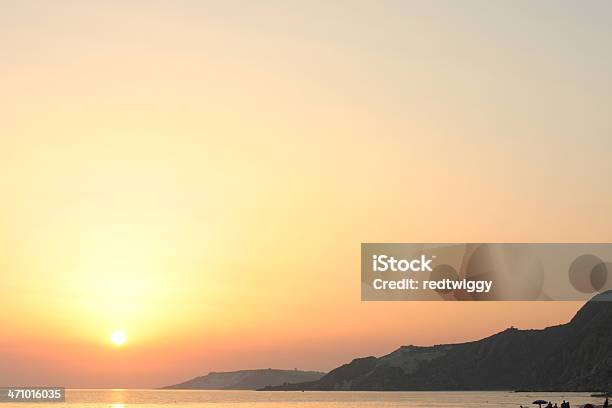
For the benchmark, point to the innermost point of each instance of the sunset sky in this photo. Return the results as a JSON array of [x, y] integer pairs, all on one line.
[[201, 174]]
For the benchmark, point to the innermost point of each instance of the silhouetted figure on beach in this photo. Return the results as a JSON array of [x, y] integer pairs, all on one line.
[[549, 405], [606, 403], [555, 406]]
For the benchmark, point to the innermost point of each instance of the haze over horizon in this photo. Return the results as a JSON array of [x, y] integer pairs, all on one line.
[[186, 184]]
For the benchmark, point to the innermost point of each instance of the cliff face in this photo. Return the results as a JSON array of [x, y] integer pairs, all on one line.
[[246, 379], [576, 356]]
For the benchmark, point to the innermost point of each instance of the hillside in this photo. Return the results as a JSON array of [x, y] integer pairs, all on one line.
[[576, 356]]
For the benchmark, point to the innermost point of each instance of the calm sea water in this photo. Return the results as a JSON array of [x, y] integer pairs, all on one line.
[[259, 399]]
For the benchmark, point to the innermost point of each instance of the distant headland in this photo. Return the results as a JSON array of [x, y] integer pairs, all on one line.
[[246, 379]]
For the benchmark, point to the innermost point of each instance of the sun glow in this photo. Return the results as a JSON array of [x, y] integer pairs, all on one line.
[[118, 338]]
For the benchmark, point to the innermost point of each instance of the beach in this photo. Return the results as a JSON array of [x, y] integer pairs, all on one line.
[[329, 399]]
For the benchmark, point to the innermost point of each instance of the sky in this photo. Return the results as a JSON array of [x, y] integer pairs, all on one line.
[[201, 174]]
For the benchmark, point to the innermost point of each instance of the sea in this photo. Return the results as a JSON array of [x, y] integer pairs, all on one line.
[[308, 399]]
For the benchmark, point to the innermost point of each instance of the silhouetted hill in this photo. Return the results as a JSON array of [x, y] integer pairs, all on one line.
[[576, 356], [246, 379]]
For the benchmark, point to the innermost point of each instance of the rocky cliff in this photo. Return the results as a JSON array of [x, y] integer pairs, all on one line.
[[576, 356]]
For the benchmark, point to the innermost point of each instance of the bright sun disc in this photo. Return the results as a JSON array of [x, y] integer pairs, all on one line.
[[118, 337]]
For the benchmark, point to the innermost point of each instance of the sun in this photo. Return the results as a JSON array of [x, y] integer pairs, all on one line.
[[118, 338]]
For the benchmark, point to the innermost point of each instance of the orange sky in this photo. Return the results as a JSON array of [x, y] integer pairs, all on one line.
[[202, 175]]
